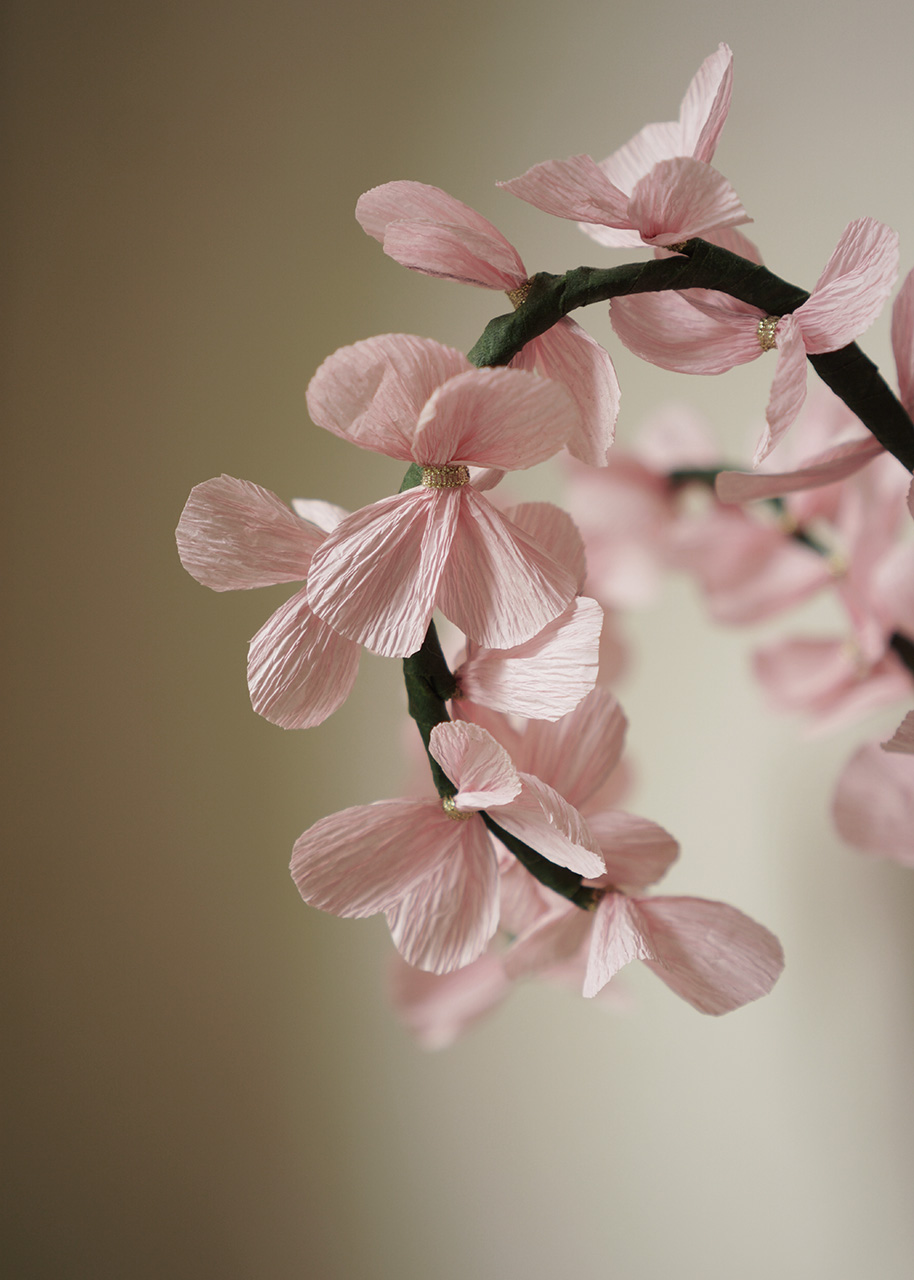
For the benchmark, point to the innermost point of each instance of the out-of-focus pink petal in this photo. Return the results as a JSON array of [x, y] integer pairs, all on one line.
[[788, 390], [850, 292], [554, 530], [437, 1008], [446, 921], [499, 586], [797, 674], [567, 353], [709, 953], [681, 198], [375, 577], [233, 535], [827, 468], [365, 859], [504, 418], [547, 823], [575, 188], [326, 515], [577, 754], [620, 934], [903, 341], [544, 678], [373, 392], [478, 766], [637, 852], [903, 738], [706, 103], [874, 803], [666, 329], [555, 937], [299, 669], [455, 253]]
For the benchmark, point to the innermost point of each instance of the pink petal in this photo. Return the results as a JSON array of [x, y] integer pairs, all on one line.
[[629, 163], [498, 586], [903, 341], [556, 532], [547, 676], [709, 953], [829, 467], [547, 823], [326, 515], [681, 198], [437, 1008], [903, 738], [446, 921], [706, 103], [375, 578], [572, 357], [555, 937], [668, 330], [233, 535], [419, 202], [503, 418], [455, 253], [365, 859], [788, 390], [620, 935], [299, 670], [373, 392], [637, 852], [575, 188], [849, 294], [874, 803], [478, 766]]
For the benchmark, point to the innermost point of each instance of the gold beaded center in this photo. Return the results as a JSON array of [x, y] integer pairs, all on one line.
[[449, 805], [446, 477], [518, 296], [765, 332]]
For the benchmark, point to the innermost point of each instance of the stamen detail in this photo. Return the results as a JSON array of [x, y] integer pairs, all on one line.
[[518, 296], [445, 477], [449, 805], [766, 331]]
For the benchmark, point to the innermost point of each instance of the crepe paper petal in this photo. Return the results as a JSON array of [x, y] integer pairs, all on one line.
[[850, 292], [800, 674], [375, 578], [704, 108], [681, 198], [567, 353], [837, 463], [325, 515], [555, 937], [903, 341], [577, 754], [874, 804], [438, 1008], [498, 725], [620, 934], [364, 860], [547, 823], [547, 676], [710, 954], [299, 669], [401, 201], [503, 418], [372, 393], [554, 530], [903, 738], [637, 852], [447, 920], [455, 253], [788, 390], [629, 163], [484, 478], [575, 188], [499, 586], [668, 330], [234, 535], [478, 766]]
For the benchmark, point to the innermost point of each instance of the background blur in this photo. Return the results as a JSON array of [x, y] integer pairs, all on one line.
[[207, 1082]]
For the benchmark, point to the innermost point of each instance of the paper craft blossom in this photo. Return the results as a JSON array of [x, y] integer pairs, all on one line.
[[380, 574], [701, 331], [429, 864], [234, 535], [428, 230], [657, 189]]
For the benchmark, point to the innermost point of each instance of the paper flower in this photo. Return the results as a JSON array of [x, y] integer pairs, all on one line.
[[874, 803], [380, 574], [428, 230], [234, 535]]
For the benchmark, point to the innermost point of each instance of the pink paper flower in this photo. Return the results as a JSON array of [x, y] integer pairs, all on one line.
[[657, 189], [425, 229], [699, 331], [234, 535], [874, 803], [429, 864], [378, 577]]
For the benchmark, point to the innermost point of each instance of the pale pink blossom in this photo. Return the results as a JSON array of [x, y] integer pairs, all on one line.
[[874, 802], [234, 535], [700, 331], [428, 230], [378, 577], [429, 864], [437, 1008]]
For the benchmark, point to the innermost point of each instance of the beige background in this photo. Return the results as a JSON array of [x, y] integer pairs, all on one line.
[[205, 1079]]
